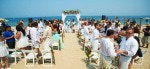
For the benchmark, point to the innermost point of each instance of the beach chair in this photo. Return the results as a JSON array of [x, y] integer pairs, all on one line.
[[87, 43], [56, 43], [47, 56], [94, 56], [14, 55], [136, 60], [104, 63], [29, 55]]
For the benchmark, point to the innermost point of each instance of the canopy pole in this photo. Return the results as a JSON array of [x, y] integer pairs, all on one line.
[[140, 26]]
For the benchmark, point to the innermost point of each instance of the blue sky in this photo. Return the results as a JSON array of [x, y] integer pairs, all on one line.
[[33, 8]]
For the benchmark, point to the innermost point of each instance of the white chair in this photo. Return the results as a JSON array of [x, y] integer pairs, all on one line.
[[29, 54], [55, 43], [106, 62], [95, 57], [87, 43], [14, 54], [47, 56], [136, 60], [81, 39], [30, 42]]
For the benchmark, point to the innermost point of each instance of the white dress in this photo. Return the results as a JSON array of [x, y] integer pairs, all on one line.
[[22, 41], [3, 50]]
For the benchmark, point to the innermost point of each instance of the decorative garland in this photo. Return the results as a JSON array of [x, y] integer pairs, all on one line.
[[71, 12]]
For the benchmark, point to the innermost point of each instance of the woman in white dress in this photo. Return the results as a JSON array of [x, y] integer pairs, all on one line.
[[22, 40], [47, 34], [3, 51]]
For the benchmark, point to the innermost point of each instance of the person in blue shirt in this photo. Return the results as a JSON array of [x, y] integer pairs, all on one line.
[[9, 37]]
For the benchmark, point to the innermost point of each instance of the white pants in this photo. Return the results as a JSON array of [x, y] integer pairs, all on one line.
[[124, 62], [105, 61]]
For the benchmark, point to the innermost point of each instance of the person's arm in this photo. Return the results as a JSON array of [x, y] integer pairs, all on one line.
[[18, 34], [96, 36], [111, 51], [133, 49]]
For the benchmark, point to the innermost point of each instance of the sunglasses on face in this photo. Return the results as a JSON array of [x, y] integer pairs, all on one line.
[[128, 33]]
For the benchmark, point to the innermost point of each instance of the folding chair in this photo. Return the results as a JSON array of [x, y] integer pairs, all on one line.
[[95, 57], [14, 54], [29, 54], [56, 43], [47, 56]]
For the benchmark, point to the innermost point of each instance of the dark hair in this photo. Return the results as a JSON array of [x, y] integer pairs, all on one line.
[[44, 20], [96, 24], [34, 24], [54, 25], [30, 20], [110, 32], [0, 32], [19, 28], [47, 23], [57, 27], [7, 27]]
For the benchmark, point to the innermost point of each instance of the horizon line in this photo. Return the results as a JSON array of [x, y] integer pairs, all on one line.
[[72, 15]]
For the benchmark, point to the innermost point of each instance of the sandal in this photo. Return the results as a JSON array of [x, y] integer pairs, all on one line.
[[145, 46]]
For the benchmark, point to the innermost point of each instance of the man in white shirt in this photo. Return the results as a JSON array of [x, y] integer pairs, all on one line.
[[96, 37], [86, 32], [128, 47], [40, 27], [107, 48], [35, 37]]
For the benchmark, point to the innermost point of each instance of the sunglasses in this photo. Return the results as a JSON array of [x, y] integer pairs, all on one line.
[[128, 33]]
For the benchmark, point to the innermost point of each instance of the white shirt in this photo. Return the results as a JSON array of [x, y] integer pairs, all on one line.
[[0, 24], [28, 30], [35, 37], [96, 35], [82, 31], [107, 47], [113, 25], [130, 45], [40, 27], [117, 30], [86, 32]]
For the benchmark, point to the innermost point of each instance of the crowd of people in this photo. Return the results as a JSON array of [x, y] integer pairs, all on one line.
[[102, 34], [111, 41], [37, 32]]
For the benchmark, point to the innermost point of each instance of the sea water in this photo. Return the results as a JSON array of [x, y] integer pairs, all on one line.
[[14, 21]]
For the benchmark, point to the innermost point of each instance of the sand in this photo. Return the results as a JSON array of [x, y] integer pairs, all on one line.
[[73, 57]]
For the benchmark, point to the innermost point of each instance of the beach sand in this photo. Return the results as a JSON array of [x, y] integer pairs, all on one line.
[[73, 57]]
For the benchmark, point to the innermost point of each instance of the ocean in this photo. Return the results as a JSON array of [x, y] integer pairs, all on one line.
[[13, 21]]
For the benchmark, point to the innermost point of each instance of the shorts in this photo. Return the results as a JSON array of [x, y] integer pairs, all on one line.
[[146, 39], [11, 45]]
